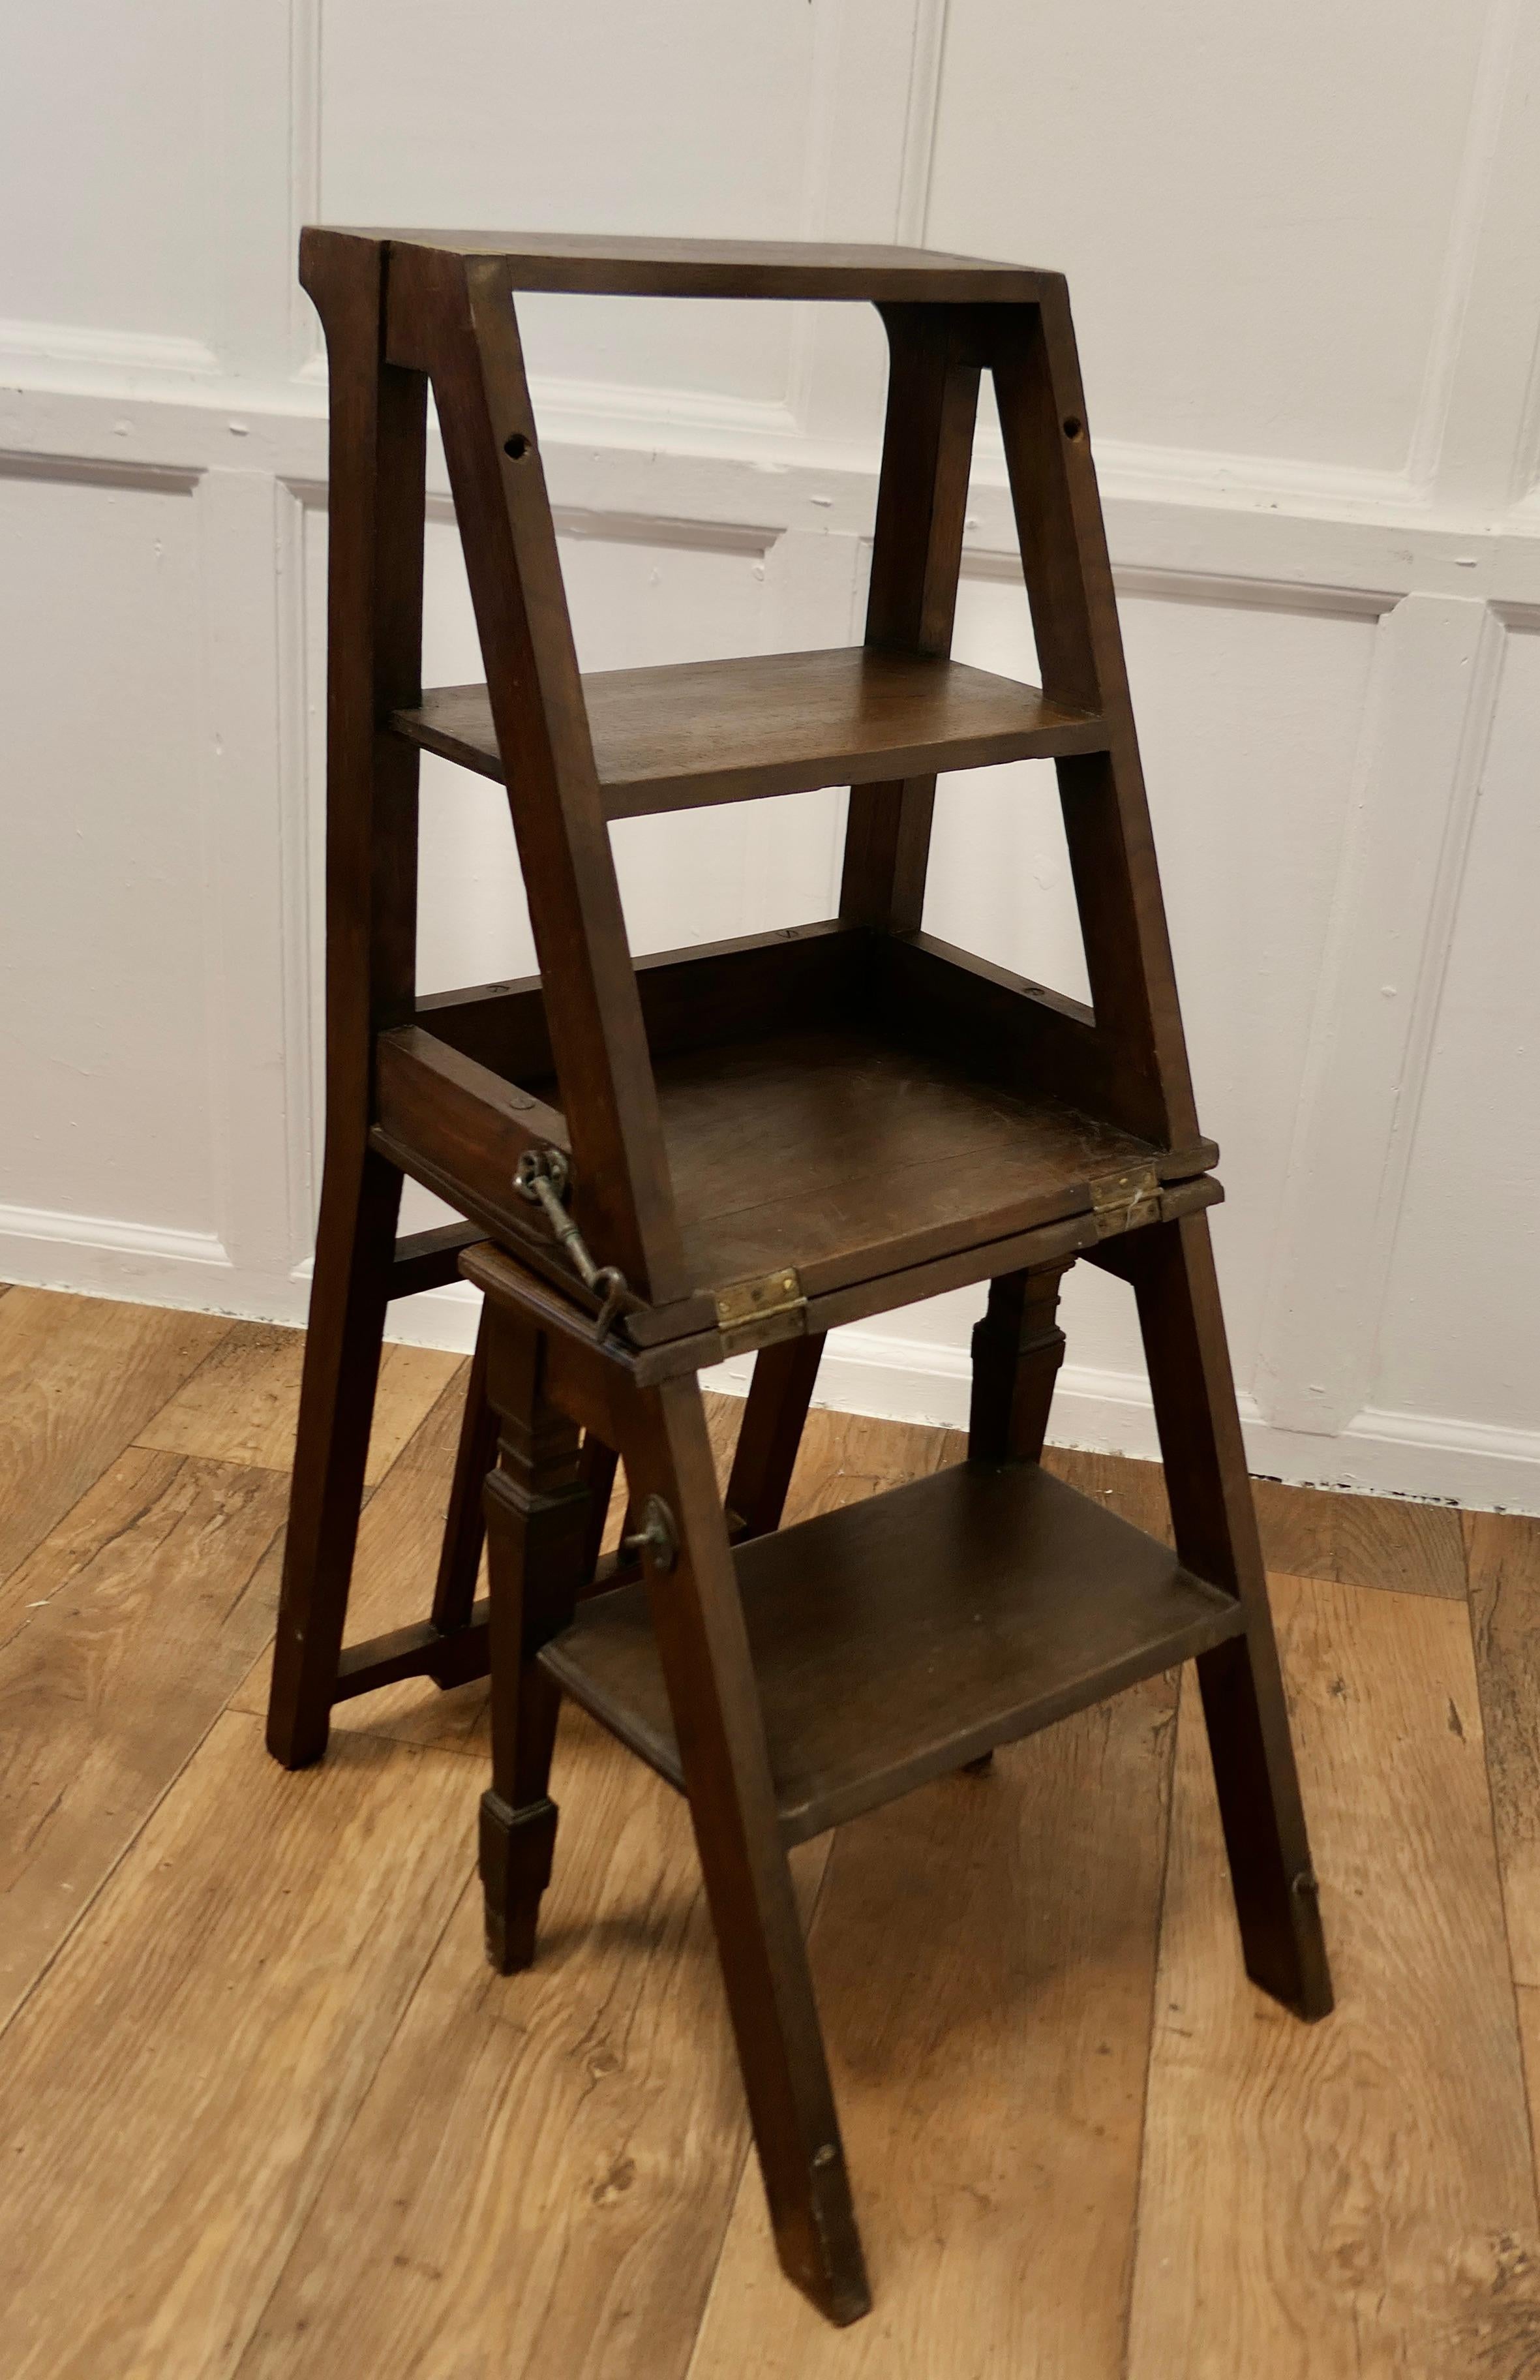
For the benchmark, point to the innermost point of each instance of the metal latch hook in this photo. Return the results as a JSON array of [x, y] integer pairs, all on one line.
[[544, 1177]]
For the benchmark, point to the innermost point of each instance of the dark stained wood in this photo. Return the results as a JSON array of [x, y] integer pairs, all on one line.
[[691, 999], [465, 1524], [698, 733], [843, 1154], [895, 1639], [621, 1191], [1277, 1896], [918, 547], [593, 264], [765, 1455], [1074, 623], [655, 1359], [378, 433], [834, 1151], [537, 1538], [429, 1259], [702, 1648], [1019, 1033], [1017, 1349], [860, 1114], [418, 1650]]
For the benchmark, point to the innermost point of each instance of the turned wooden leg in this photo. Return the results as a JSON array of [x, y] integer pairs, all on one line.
[[537, 1507], [1171, 1268], [704, 1648], [770, 1434], [355, 1249]]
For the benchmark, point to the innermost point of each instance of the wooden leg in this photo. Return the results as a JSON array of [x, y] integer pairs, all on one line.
[[704, 1649], [536, 1506], [1171, 1268], [465, 1523], [598, 1467], [1017, 1349], [770, 1434], [354, 1252]]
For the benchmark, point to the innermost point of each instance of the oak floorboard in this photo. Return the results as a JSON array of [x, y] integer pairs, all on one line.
[[242, 1403], [1135, 1491], [1386, 1541], [984, 1954], [172, 2093], [537, 2184], [139, 1618], [79, 1376], [1353, 2198], [1528, 1999], [845, 1457], [1504, 1555]]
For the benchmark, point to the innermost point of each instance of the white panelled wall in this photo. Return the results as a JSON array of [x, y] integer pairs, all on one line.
[[1305, 250]]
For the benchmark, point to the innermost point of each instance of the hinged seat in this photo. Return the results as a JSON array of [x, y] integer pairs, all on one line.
[[662, 1161]]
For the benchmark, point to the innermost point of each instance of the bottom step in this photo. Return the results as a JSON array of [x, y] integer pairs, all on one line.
[[895, 1639]]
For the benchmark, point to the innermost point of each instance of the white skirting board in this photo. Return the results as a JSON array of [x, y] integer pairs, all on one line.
[[1433, 1457]]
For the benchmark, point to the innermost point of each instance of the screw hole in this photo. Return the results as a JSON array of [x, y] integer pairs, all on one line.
[[1073, 426], [516, 447]]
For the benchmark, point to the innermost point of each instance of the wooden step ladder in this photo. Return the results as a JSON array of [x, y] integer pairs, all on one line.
[[666, 1160]]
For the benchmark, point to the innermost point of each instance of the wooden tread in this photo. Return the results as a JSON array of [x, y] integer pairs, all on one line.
[[900, 1637], [609, 265], [732, 731]]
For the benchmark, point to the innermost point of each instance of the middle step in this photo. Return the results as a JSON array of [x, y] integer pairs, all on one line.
[[696, 733]]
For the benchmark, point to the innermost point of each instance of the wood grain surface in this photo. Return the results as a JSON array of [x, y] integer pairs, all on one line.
[[540, 2180], [239, 1407], [79, 1376], [1363, 1540], [264, 2110], [1504, 1551], [1356, 2197], [170, 2102], [139, 1615], [984, 1955], [696, 732]]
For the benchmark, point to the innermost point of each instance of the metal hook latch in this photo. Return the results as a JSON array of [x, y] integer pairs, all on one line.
[[544, 1177], [656, 1539]]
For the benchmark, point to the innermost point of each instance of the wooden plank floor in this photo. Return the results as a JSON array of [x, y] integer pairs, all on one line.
[[265, 2113]]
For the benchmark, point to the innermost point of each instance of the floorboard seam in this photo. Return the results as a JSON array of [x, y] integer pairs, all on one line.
[[747, 2151], [1502, 1866], [1168, 1796], [346, 2133], [89, 1904]]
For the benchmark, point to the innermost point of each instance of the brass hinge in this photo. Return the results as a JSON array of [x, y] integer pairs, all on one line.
[[753, 1312], [1119, 1201]]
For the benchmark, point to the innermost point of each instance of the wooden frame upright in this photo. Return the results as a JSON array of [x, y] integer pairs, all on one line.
[[667, 1103]]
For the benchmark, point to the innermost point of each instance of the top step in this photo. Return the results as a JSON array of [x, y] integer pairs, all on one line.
[[589, 264]]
